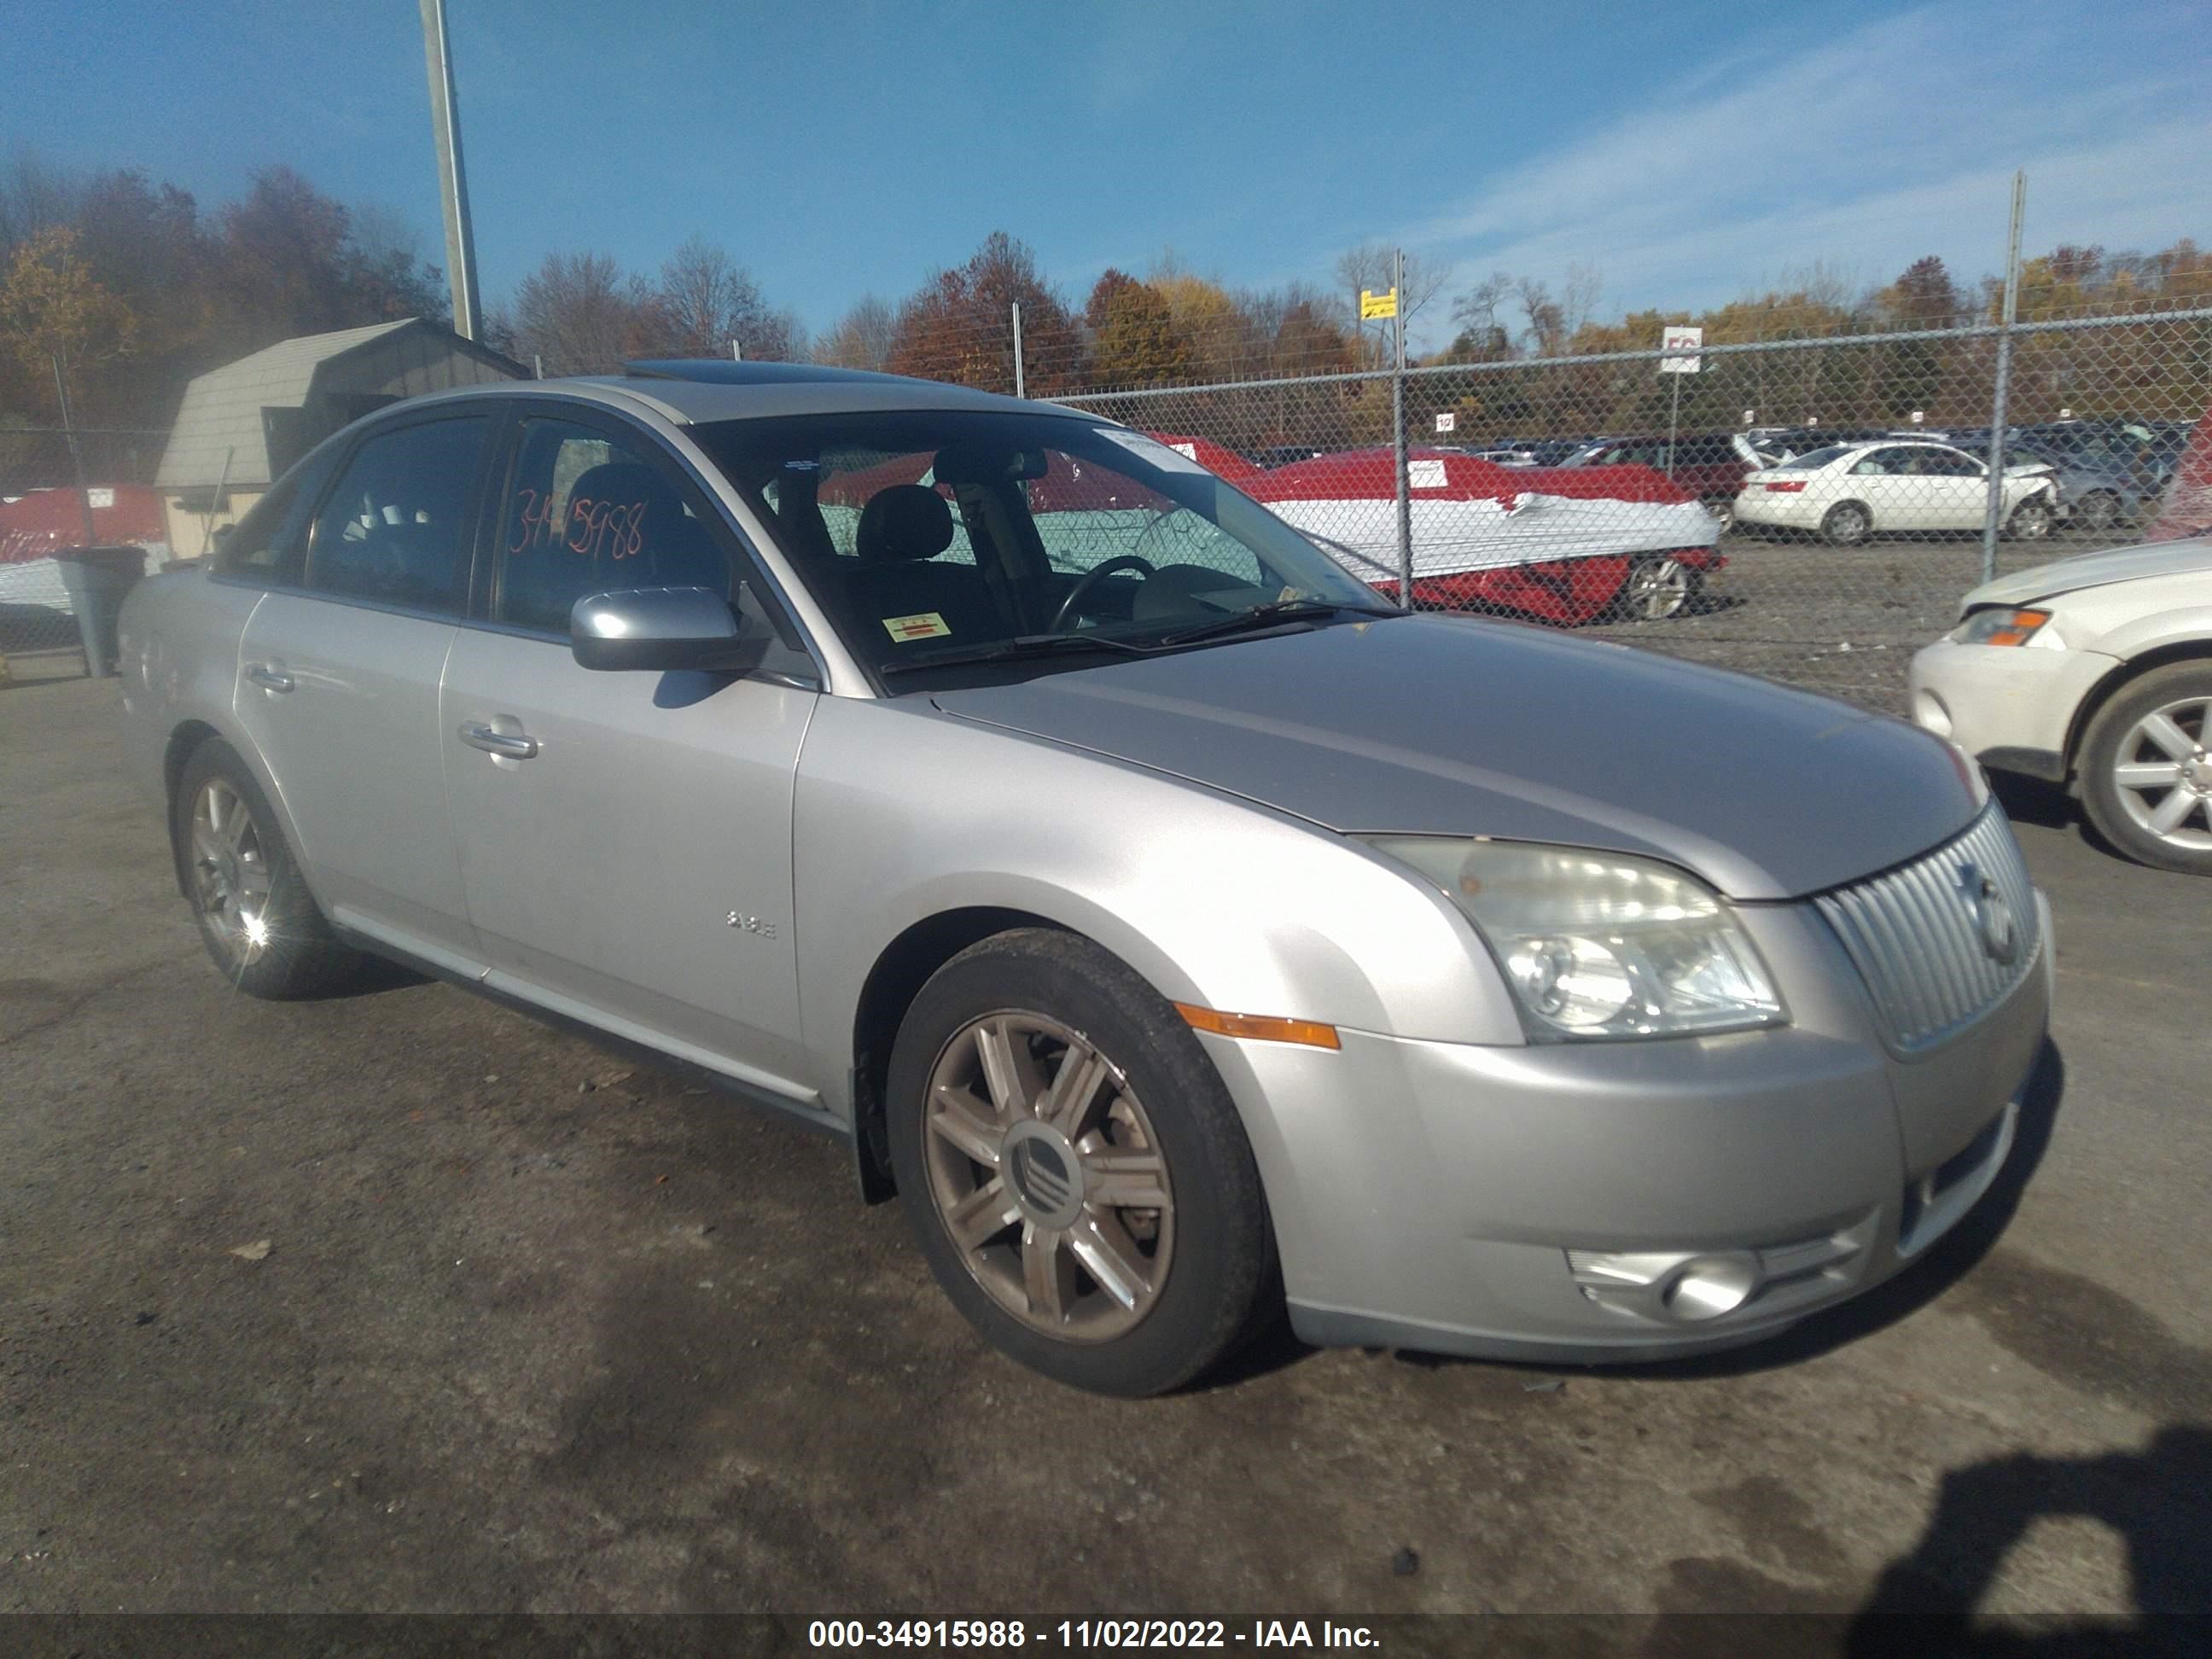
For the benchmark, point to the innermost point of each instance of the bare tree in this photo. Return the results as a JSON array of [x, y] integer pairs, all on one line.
[[705, 300], [36, 193], [862, 336], [1372, 266], [578, 314]]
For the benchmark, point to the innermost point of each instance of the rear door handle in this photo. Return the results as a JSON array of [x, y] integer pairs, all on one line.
[[270, 679], [512, 745]]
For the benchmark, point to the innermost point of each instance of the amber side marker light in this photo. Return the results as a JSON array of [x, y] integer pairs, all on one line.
[[1311, 1033]]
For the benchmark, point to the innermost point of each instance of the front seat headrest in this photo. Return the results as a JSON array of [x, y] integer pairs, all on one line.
[[902, 522]]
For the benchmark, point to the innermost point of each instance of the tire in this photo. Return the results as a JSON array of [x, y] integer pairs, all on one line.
[[2097, 512], [2159, 725], [1657, 587], [1847, 524], [2030, 521], [256, 916], [1196, 1269]]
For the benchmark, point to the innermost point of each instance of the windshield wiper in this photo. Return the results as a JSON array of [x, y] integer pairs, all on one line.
[[1273, 614], [1007, 650]]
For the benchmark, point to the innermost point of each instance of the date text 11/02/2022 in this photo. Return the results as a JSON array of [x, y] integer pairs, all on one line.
[[1008, 1634]]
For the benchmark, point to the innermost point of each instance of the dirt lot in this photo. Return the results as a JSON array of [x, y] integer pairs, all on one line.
[[1843, 620], [535, 1331]]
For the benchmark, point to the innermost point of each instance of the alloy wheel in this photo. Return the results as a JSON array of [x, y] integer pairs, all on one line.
[[1658, 588], [230, 872], [2032, 522], [2163, 774], [1047, 1177], [1847, 526]]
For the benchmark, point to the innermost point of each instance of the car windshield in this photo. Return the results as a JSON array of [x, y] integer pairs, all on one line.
[[952, 544]]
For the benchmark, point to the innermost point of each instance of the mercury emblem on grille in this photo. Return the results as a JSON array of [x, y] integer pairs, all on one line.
[[1992, 914]]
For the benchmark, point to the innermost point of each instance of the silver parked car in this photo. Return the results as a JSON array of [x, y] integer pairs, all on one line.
[[1174, 928]]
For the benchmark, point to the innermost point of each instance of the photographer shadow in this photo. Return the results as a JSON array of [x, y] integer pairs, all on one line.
[[2158, 1500]]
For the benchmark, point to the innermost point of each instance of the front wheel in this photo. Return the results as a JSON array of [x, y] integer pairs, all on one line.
[[2146, 768], [2097, 512], [1658, 588], [2030, 521], [1073, 1169]]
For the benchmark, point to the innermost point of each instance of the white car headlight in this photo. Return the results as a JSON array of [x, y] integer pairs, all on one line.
[[1599, 944]]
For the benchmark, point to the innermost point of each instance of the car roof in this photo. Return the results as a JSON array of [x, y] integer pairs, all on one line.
[[696, 391]]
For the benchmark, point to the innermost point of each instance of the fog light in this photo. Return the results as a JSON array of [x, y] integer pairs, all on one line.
[[1709, 1287]]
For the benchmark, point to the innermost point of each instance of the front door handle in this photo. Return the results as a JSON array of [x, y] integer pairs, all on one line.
[[510, 745], [270, 679]]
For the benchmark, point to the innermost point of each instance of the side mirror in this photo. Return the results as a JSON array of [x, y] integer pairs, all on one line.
[[662, 630]]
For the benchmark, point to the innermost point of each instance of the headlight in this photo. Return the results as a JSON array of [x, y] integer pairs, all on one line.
[[1998, 626], [1599, 944]]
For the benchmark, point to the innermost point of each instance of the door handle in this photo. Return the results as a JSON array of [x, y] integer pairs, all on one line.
[[270, 679], [511, 746]]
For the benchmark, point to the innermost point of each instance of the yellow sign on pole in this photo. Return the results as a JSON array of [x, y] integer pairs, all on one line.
[[1372, 306]]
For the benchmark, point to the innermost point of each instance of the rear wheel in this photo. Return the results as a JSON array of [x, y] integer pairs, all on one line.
[[2146, 768], [256, 916], [2097, 512], [1073, 1169], [1847, 524]]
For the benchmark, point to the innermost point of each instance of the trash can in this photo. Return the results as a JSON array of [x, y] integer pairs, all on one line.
[[96, 579]]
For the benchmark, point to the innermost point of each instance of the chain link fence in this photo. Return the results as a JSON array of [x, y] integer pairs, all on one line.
[[1811, 509], [43, 511]]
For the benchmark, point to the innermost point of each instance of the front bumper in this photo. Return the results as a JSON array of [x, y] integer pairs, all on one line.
[[2010, 706], [1627, 1201]]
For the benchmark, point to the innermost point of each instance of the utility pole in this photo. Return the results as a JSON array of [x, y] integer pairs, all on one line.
[[453, 182]]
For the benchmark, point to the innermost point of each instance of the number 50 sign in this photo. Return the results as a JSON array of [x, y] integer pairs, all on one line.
[[1681, 339]]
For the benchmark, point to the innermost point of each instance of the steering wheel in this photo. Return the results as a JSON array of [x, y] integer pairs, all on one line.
[[1091, 579]]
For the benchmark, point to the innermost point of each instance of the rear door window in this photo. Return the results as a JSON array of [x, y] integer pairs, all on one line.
[[395, 528]]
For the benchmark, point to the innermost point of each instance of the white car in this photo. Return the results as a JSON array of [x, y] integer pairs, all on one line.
[[1848, 492], [2095, 670]]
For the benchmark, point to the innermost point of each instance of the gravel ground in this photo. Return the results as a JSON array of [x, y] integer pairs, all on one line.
[[400, 1302]]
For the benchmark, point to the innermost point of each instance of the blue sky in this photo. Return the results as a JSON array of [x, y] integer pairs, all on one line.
[[1686, 152]]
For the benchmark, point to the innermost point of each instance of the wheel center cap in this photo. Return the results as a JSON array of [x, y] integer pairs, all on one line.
[[1045, 1173], [2198, 774]]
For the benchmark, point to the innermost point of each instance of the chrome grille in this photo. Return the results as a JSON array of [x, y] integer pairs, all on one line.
[[1920, 935]]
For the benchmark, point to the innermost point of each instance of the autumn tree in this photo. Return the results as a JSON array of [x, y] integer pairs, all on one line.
[[959, 326], [59, 318], [1135, 342]]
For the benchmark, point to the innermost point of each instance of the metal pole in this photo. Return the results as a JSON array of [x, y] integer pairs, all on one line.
[[1398, 430], [76, 454], [536, 366], [737, 351], [453, 181], [1020, 383], [1993, 513], [1673, 423]]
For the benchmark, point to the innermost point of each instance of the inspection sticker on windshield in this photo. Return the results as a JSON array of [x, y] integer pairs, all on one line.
[[1150, 449], [928, 625]]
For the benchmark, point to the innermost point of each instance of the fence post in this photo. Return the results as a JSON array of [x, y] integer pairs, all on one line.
[[76, 454], [1019, 390], [1993, 513], [1398, 434]]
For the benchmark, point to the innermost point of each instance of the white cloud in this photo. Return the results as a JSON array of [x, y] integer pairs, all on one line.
[[1891, 141]]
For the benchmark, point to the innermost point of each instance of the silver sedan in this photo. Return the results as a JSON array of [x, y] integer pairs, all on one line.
[[1176, 930]]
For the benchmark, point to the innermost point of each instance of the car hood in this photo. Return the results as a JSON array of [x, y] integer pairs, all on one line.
[[1457, 726], [2116, 564]]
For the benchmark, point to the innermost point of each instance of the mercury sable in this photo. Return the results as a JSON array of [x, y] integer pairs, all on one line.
[[1174, 928]]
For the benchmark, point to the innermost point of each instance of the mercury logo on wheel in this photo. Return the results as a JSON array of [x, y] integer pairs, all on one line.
[[1039, 1174], [1993, 916]]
